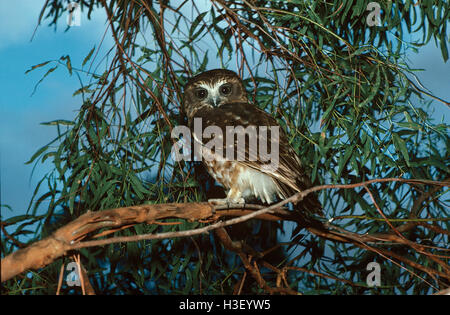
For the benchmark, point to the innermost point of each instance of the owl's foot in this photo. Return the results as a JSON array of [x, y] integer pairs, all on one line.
[[227, 203]]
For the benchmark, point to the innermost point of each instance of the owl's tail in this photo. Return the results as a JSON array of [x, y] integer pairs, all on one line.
[[308, 212]]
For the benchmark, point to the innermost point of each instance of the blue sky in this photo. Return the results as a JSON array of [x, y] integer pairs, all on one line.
[[21, 113]]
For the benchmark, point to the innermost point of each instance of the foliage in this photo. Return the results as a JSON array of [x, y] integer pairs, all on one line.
[[339, 87]]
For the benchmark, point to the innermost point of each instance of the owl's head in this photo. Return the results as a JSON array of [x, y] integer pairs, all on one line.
[[211, 89]]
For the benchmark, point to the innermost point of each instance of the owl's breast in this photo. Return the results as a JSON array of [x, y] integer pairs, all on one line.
[[238, 177]]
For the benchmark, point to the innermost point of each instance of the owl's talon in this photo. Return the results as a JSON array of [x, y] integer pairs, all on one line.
[[216, 201], [219, 203]]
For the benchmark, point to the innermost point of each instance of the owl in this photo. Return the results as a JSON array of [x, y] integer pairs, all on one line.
[[216, 102]]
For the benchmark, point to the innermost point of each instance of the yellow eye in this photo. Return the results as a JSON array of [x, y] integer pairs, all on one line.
[[201, 93], [225, 89]]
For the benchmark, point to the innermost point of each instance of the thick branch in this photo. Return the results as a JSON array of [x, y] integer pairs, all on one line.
[[56, 245]]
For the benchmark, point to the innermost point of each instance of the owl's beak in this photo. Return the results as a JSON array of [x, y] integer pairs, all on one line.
[[214, 101]]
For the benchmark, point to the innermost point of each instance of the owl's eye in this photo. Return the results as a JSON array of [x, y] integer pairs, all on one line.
[[201, 93], [225, 89]]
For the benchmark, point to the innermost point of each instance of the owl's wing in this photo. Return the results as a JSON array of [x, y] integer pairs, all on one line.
[[289, 174]]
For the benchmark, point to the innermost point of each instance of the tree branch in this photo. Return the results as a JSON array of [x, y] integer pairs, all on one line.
[[68, 238]]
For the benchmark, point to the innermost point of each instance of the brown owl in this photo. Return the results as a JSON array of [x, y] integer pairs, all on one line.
[[217, 108]]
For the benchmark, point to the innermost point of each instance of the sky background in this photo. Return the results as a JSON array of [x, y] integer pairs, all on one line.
[[21, 111]]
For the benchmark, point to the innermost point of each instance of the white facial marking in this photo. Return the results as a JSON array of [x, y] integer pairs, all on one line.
[[213, 90]]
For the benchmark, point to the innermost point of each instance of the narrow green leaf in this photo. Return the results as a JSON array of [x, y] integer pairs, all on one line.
[[343, 160], [42, 79], [195, 23], [38, 152], [401, 146], [86, 59], [18, 218], [37, 66], [58, 122], [68, 63]]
